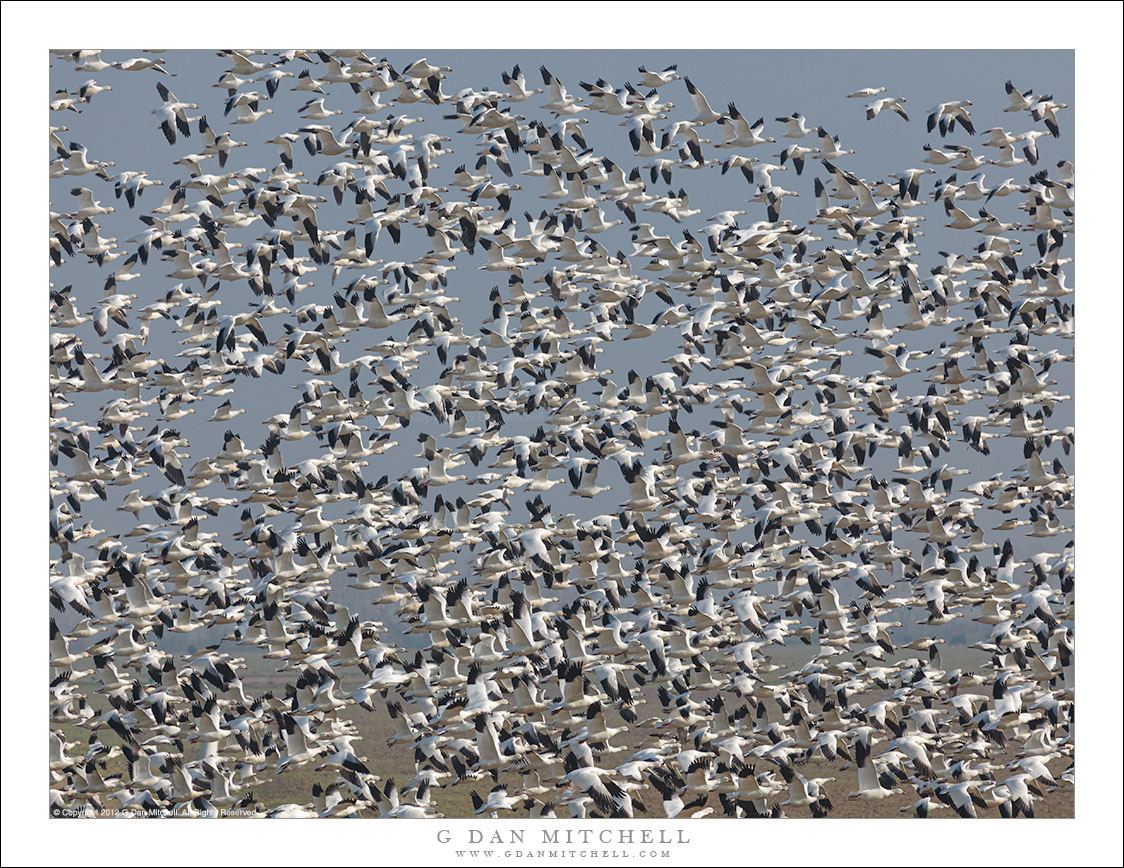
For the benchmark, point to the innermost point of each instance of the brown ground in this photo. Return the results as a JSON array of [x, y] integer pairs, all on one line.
[[396, 762]]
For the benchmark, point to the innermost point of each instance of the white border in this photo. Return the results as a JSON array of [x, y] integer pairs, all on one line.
[[1093, 29]]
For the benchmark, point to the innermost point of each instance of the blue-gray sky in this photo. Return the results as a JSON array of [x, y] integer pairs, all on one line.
[[119, 126]]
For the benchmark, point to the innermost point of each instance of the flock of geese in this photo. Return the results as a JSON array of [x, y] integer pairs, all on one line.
[[575, 586]]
